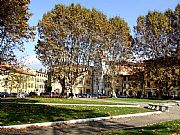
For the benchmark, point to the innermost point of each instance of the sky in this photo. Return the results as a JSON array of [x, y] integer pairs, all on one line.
[[129, 10]]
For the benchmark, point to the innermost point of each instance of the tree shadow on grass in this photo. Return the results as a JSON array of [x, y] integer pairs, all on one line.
[[13, 114], [17, 100]]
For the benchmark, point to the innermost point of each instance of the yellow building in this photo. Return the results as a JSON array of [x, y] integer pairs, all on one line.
[[83, 84], [21, 80], [40, 79], [77, 79], [15, 79], [127, 80]]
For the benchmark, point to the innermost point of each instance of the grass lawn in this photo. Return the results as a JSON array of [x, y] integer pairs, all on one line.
[[139, 100], [57, 100], [164, 128], [12, 114]]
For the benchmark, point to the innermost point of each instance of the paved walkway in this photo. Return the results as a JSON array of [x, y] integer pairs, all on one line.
[[98, 126]]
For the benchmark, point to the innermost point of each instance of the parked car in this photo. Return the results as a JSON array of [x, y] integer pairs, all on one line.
[[45, 94], [94, 95], [122, 96], [55, 94], [71, 95], [13, 94], [32, 94], [82, 95], [102, 96], [4, 94]]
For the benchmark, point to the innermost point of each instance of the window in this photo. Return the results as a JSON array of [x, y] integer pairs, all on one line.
[[164, 83], [81, 82], [148, 84], [87, 90], [179, 83], [117, 81], [6, 73], [156, 82], [125, 85], [128, 78], [131, 78], [124, 78], [173, 71], [87, 82], [130, 93], [31, 85], [6, 83]]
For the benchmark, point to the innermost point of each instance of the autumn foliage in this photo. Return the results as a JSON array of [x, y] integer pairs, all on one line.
[[14, 27]]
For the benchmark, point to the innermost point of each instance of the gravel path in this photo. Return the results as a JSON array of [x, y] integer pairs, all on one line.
[[98, 126]]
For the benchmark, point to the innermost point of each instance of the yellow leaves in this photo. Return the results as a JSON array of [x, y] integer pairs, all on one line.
[[155, 33], [157, 21], [67, 27]]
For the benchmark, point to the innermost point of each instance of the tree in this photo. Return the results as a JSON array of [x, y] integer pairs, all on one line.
[[117, 50], [119, 40], [174, 21], [14, 29], [157, 34], [16, 81], [157, 41], [72, 36], [151, 34]]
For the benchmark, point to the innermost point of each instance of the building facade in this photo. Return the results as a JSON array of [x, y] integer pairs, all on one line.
[[40, 79], [21, 80], [162, 78], [153, 79]]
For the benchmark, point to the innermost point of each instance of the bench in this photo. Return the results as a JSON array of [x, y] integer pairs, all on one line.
[[178, 103], [163, 108], [158, 107]]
